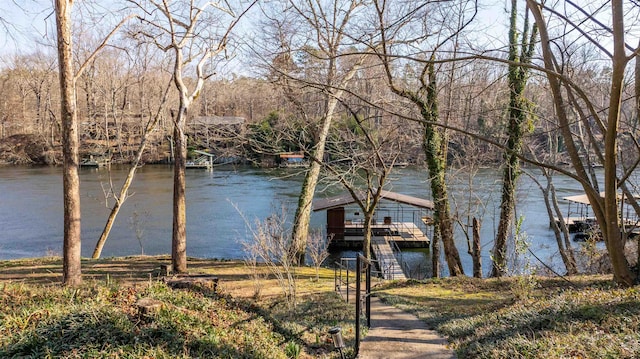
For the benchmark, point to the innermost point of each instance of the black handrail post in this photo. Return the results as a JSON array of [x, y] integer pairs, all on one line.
[[335, 277], [358, 264], [347, 282], [341, 278], [368, 295]]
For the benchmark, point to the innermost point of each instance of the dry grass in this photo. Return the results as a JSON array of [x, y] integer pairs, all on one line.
[[261, 326], [483, 318]]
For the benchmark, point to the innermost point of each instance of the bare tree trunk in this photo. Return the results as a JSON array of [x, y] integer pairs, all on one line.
[[507, 212], [72, 273], [435, 251], [366, 243], [636, 124], [476, 257], [179, 234], [614, 238], [434, 149], [302, 216], [559, 231], [518, 53]]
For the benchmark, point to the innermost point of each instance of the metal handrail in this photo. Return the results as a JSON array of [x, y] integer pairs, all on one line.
[[343, 277], [338, 279]]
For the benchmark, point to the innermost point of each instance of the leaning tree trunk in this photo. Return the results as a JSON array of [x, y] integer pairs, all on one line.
[[303, 211], [127, 182], [72, 273], [560, 231], [302, 217]]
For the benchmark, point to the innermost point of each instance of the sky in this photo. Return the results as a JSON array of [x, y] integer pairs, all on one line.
[[24, 25], [30, 24], [27, 24]]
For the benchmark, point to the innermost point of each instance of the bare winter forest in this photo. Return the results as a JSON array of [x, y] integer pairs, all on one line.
[[267, 61]]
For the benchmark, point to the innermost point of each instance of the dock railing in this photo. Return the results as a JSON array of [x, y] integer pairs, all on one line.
[[398, 254]]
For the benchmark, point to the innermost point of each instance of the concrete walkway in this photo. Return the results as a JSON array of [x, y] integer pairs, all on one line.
[[397, 334]]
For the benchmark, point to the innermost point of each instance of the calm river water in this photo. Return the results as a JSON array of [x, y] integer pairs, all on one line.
[[31, 209]]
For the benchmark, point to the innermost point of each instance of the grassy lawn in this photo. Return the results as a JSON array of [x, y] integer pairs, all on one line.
[[491, 318], [39, 318], [533, 317]]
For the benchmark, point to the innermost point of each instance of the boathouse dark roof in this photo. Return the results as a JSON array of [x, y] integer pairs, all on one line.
[[346, 199]]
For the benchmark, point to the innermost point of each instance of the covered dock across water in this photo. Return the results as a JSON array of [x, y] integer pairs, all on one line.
[[405, 223], [581, 220], [409, 226]]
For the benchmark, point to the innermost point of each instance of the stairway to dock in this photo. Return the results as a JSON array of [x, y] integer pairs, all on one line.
[[387, 260]]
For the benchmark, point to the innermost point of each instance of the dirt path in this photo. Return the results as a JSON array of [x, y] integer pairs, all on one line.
[[397, 334]]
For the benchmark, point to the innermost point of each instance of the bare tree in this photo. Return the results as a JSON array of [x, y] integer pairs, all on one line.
[[423, 94], [318, 250], [72, 273], [567, 94], [321, 39], [271, 244], [192, 35], [520, 51], [367, 157]]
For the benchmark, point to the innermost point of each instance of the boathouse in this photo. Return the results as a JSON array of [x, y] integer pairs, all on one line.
[[403, 219], [291, 159], [582, 222], [400, 221]]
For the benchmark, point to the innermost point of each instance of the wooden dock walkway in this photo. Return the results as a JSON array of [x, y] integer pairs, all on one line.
[[389, 265], [384, 237]]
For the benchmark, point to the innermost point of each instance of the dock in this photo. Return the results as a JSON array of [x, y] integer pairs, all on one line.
[[205, 161], [404, 234], [95, 162], [406, 223], [578, 224], [387, 260], [386, 241]]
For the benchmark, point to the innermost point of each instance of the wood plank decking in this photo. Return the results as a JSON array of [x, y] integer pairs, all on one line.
[[400, 232], [389, 265], [384, 236]]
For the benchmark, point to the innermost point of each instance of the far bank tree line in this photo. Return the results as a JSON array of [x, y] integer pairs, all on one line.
[[356, 86]]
